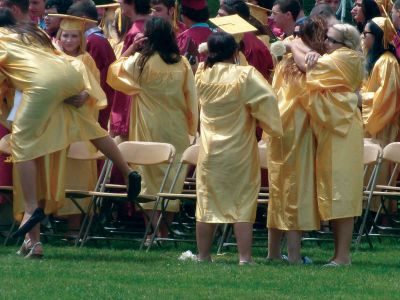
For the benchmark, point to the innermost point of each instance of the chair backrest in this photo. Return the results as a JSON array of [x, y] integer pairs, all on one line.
[[147, 153], [262, 151], [372, 152], [82, 151], [191, 155], [392, 152], [5, 146]]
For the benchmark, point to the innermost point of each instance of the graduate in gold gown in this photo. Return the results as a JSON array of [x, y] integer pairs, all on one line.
[[381, 90], [165, 108], [51, 115], [80, 175], [336, 121], [233, 99], [292, 206]]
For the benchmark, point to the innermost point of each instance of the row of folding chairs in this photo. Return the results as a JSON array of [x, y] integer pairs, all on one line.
[[135, 153], [142, 153]]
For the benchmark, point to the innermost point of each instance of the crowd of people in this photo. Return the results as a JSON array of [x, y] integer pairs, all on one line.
[[310, 87]]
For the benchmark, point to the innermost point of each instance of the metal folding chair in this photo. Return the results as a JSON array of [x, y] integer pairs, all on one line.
[[388, 193], [372, 160], [189, 158], [138, 154]]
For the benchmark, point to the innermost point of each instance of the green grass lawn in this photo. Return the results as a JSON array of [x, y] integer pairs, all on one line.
[[105, 273]]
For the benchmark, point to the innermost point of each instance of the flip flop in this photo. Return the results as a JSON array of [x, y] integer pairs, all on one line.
[[37, 216]]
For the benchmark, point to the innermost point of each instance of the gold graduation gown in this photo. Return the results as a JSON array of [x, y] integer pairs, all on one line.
[[164, 109], [233, 99], [82, 175], [381, 100], [291, 158], [381, 108], [43, 124], [337, 126]]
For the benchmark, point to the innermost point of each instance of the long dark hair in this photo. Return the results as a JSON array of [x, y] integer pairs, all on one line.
[[370, 10], [221, 46], [160, 39], [377, 48]]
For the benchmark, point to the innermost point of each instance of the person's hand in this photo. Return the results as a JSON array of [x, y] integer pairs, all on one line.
[[136, 45], [77, 100], [312, 59]]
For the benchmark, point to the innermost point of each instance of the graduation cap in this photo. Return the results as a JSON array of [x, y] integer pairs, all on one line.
[[389, 31], [234, 25], [69, 22], [110, 11], [259, 13]]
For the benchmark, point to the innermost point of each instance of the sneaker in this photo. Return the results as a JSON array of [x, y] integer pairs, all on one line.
[[305, 260]]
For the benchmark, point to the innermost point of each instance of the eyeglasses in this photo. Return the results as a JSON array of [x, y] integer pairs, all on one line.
[[333, 41], [296, 33], [366, 32]]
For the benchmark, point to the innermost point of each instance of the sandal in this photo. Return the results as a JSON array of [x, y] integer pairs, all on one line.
[[32, 254], [24, 250], [134, 185], [246, 263], [333, 264], [37, 216]]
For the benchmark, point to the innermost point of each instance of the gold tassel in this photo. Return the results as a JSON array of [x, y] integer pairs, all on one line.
[[119, 19], [175, 20]]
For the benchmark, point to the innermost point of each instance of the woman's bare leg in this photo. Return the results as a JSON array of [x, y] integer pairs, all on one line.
[[107, 146], [294, 245], [274, 243], [244, 239], [27, 173], [204, 239], [344, 234]]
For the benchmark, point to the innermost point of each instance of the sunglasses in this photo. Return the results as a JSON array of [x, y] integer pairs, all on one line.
[[333, 41], [296, 33]]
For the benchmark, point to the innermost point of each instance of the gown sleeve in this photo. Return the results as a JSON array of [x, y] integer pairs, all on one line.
[[261, 102], [123, 74], [191, 99], [381, 106]]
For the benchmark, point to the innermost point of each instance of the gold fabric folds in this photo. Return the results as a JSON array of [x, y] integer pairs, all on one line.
[[381, 109], [337, 126], [80, 174], [381, 97], [164, 109], [293, 203], [233, 99], [44, 125]]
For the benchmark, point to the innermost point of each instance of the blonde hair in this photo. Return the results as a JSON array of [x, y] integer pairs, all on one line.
[[350, 35]]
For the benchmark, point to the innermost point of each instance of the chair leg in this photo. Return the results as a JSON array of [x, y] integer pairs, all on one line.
[[10, 232], [222, 238]]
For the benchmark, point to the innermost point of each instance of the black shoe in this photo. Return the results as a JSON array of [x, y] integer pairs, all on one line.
[[134, 185], [37, 216]]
